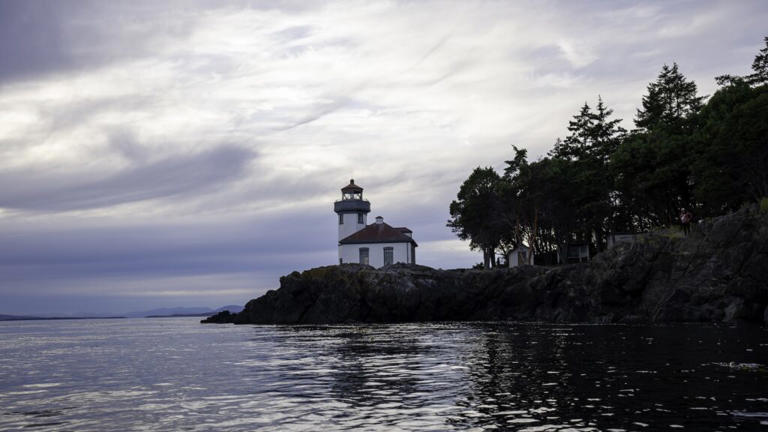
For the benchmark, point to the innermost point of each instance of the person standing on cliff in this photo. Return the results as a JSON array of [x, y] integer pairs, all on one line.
[[685, 221]]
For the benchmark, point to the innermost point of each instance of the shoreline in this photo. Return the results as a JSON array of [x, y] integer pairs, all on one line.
[[717, 274]]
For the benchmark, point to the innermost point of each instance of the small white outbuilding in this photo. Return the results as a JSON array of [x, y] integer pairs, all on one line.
[[520, 255], [629, 238]]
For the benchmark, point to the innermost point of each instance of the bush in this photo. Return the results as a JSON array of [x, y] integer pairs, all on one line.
[[764, 205]]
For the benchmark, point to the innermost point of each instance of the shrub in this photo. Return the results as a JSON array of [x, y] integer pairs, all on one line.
[[764, 205]]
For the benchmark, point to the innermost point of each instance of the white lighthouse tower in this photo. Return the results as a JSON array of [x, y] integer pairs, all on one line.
[[352, 210]]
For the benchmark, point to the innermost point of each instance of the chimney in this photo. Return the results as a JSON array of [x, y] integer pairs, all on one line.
[[379, 220]]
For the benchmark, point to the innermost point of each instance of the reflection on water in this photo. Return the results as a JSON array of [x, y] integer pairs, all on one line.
[[174, 374]]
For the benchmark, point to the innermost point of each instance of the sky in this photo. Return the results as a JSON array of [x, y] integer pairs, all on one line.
[[158, 154]]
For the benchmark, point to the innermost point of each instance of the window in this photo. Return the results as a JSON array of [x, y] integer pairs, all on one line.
[[388, 256], [360, 218], [341, 218], [364, 256], [413, 254]]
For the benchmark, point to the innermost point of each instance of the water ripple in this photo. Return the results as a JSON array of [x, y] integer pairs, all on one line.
[[174, 374]]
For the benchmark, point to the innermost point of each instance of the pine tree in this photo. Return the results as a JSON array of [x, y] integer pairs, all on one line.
[[592, 134], [670, 101], [606, 134], [760, 67], [577, 144], [757, 78]]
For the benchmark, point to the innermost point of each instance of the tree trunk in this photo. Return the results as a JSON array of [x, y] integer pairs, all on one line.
[[562, 252], [599, 237], [532, 242]]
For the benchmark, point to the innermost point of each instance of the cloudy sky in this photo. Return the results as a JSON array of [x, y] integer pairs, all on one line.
[[160, 154]]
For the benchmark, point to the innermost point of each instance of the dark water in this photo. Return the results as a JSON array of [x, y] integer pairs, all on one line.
[[174, 374]]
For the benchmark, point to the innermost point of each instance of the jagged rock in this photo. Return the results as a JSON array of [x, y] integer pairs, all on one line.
[[718, 273], [223, 317]]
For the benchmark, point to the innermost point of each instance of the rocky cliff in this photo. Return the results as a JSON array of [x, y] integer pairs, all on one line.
[[718, 273]]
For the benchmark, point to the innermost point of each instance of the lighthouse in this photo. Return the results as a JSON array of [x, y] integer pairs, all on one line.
[[352, 210], [378, 244]]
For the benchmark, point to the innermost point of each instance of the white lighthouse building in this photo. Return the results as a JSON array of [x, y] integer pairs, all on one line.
[[377, 244]]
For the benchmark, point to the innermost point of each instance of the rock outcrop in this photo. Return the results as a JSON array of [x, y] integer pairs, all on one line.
[[718, 273]]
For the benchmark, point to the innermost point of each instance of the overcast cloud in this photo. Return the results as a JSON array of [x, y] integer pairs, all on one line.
[[189, 153]]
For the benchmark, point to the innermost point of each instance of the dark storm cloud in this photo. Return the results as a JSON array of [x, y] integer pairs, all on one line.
[[172, 176], [32, 38], [38, 37]]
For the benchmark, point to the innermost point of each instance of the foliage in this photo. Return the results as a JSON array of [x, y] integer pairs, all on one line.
[[759, 75], [600, 179], [474, 213], [670, 102], [731, 160]]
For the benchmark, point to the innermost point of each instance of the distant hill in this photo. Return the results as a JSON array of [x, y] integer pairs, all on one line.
[[32, 317], [183, 311], [16, 317], [231, 308], [168, 312], [160, 312]]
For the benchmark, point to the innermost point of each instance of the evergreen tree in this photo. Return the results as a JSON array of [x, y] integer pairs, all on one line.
[[592, 134], [731, 161], [760, 67], [593, 138], [758, 77], [652, 165], [606, 133], [579, 142], [670, 101], [516, 164]]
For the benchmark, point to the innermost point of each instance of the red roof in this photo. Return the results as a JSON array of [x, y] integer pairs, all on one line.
[[404, 229], [351, 187], [378, 233]]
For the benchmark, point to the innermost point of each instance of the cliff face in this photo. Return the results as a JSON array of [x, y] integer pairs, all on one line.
[[718, 273]]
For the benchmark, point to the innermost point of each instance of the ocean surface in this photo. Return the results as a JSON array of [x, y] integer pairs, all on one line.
[[174, 374]]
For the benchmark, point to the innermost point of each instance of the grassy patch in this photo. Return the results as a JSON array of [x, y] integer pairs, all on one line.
[[669, 232]]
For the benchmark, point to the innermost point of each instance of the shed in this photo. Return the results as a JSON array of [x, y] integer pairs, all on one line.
[[520, 255]]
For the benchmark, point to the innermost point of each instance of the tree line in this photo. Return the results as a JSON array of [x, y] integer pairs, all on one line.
[[709, 156]]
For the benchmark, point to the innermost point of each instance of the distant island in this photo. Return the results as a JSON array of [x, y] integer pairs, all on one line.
[[182, 311], [153, 313], [34, 318]]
